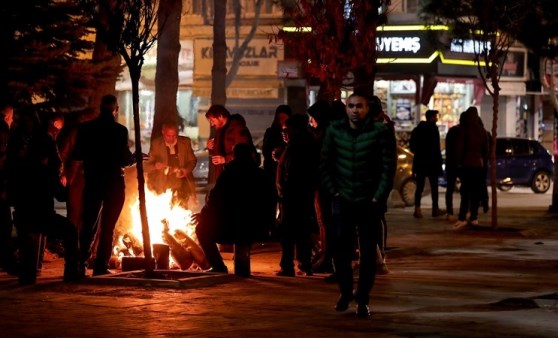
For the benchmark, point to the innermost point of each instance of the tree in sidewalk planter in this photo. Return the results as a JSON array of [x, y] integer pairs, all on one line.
[[335, 41], [42, 61], [492, 26], [132, 24]]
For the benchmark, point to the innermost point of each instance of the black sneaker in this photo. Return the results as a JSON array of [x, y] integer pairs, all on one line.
[[362, 311]]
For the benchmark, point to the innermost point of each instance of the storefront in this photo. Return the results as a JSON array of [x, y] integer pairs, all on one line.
[[415, 75]]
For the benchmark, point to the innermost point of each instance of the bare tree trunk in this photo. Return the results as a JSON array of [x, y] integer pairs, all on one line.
[[219, 70], [239, 49], [135, 73], [166, 77]]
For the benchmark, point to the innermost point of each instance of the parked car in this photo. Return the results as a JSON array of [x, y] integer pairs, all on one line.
[[522, 162], [404, 182]]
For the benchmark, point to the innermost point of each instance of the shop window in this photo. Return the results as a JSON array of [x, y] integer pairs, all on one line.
[[451, 99]]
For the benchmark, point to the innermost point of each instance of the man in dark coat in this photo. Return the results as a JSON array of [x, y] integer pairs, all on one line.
[[357, 167], [102, 146], [296, 186], [427, 162], [238, 210]]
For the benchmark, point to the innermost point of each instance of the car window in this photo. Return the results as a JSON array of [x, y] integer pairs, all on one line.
[[520, 147], [534, 147], [503, 148]]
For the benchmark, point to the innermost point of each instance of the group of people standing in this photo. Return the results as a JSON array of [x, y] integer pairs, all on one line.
[[339, 157], [467, 149], [33, 174]]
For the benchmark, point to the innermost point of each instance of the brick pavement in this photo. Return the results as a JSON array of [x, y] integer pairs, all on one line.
[[471, 283]]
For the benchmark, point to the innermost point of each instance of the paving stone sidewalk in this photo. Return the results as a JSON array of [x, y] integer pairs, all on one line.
[[476, 282]]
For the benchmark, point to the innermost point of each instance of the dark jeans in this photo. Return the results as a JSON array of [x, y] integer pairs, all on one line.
[[29, 238], [472, 185], [451, 179], [208, 243], [6, 248], [102, 205], [295, 233], [421, 178], [361, 221]]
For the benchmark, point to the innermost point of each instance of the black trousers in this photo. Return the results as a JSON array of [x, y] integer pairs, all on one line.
[[360, 221], [208, 243], [30, 229], [102, 205], [451, 179], [421, 178], [7, 259]]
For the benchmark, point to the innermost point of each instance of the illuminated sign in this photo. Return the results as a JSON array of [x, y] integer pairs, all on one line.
[[412, 44], [398, 44]]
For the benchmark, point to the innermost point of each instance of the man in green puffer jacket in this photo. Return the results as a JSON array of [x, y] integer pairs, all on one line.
[[357, 167]]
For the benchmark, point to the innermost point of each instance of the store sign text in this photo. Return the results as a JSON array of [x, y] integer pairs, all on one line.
[[398, 44], [468, 46], [265, 52]]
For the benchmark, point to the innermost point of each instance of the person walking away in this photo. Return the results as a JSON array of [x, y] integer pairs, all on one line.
[[273, 146], [170, 164], [7, 251], [296, 187], [357, 167], [33, 167], [238, 210], [102, 146], [427, 160], [451, 167], [472, 153]]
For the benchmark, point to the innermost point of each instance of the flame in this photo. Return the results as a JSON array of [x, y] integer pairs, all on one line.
[[160, 208]]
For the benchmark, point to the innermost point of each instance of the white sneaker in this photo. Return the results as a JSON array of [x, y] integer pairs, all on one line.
[[475, 222], [459, 225]]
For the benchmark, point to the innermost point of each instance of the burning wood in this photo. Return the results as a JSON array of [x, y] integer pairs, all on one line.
[[132, 247], [193, 248], [180, 254]]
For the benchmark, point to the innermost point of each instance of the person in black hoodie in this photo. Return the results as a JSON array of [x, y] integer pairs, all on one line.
[[427, 162], [297, 181], [238, 209]]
